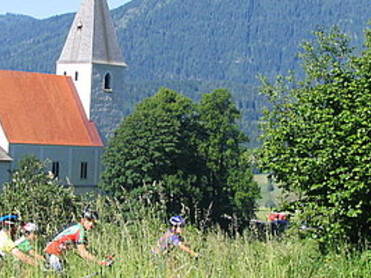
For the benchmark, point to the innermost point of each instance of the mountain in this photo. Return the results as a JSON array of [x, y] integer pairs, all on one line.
[[226, 40], [193, 46]]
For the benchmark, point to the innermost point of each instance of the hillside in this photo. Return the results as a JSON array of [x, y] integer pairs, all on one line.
[[193, 46], [226, 40]]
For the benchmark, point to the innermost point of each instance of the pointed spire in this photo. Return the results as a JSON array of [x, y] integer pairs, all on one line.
[[92, 37]]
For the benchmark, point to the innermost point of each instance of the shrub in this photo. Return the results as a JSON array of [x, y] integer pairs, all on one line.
[[36, 196]]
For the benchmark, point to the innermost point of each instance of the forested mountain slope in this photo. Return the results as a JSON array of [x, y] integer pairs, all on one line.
[[226, 40], [193, 45]]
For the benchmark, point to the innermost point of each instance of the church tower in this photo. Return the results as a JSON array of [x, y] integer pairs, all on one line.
[[92, 57]]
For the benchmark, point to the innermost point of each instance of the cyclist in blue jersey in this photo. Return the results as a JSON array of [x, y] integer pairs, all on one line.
[[172, 238]]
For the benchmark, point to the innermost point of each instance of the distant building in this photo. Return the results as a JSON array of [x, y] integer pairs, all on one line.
[[66, 118]]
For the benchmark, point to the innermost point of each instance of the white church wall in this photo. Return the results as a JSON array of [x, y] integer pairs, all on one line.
[[83, 73], [93, 159], [69, 159], [4, 143]]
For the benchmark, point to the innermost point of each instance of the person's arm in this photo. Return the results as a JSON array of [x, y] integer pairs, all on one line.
[[23, 257], [36, 256], [85, 254], [187, 249]]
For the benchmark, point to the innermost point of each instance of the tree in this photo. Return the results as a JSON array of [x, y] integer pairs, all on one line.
[[192, 151], [231, 188], [37, 197], [317, 134], [157, 143]]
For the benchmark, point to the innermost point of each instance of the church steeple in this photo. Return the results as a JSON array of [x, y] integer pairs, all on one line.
[[93, 58], [92, 37]]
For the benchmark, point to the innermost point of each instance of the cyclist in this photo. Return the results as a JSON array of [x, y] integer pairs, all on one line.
[[7, 245], [24, 243], [172, 238], [73, 236]]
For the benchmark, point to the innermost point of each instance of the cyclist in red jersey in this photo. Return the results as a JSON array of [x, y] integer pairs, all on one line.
[[73, 236]]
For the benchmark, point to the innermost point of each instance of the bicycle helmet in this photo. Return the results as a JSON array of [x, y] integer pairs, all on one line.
[[177, 220], [90, 215], [10, 219], [30, 228]]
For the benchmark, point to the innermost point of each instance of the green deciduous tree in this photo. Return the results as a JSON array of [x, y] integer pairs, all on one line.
[[157, 143], [192, 151], [317, 137], [230, 181]]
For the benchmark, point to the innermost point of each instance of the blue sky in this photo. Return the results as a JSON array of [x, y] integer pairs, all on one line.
[[47, 8]]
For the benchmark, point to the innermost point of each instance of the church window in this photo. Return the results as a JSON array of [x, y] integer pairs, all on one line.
[[55, 169], [107, 82], [65, 73], [83, 170], [76, 76]]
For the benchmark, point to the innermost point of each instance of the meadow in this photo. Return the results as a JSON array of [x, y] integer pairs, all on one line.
[[220, 256]]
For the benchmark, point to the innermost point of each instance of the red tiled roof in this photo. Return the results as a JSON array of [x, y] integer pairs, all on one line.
[[43, 109]]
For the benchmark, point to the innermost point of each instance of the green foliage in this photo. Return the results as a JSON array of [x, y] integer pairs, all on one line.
[[37, 197], [192, 151], [145, 202], [231, 189], [317, 138], [156, 144], [245, 97]]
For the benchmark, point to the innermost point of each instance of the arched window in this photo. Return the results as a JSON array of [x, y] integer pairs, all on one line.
[[65, 73], [107, 82], [76, 76]]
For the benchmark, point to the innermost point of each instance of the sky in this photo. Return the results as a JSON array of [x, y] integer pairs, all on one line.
[[46, 8]]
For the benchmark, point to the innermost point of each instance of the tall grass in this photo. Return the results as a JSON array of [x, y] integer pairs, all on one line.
[[220, 257]]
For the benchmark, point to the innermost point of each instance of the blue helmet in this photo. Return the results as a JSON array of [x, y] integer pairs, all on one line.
[[9, 219], [177, 220]]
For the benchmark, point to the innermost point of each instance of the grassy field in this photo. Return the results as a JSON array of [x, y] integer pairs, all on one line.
[[220, 257]]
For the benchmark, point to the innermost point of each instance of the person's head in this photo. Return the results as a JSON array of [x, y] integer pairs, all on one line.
[[9, 224], [177, 224], [30, 230], [89, 218]]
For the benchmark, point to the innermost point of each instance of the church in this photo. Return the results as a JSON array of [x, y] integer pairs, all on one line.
[[66, 118]]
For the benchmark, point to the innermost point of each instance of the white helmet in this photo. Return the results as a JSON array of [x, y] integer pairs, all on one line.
[[30, 228], [177, 220]]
